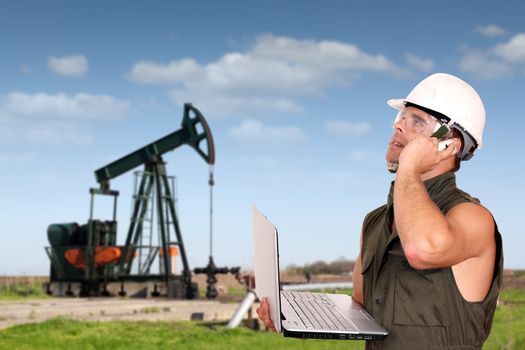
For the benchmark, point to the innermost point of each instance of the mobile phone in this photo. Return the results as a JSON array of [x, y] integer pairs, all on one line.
[[443, 145]]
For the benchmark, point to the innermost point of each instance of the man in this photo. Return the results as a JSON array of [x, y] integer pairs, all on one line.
[[431, 261]]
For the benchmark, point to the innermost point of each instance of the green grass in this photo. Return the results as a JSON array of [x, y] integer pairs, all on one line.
[[508, 329], [507, 333], [512, 296], [337, 291], [22, 291], [67, 334], [150, 310]]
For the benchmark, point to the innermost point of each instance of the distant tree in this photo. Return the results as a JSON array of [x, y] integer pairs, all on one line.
[[341, 266], [294, 269], [336, 267], [318, 267]]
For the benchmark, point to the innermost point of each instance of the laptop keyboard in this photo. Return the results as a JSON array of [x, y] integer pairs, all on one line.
[[316, 311]]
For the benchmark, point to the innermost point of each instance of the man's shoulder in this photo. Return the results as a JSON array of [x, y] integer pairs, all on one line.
[[467, 196], [453, 196], [374, 216], [377, 211]]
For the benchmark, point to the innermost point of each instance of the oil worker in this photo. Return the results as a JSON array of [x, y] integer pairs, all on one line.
[[430, 265]]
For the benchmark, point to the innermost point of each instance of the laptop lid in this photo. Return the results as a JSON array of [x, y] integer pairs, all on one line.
[[266, 264]]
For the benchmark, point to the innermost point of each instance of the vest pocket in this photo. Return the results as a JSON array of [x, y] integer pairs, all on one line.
[[367, 257], [416, 302]]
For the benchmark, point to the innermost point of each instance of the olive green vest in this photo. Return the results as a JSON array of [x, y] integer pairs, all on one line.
[[422, 309]]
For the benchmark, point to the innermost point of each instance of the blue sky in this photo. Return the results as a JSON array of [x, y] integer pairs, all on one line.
[[295, 94]]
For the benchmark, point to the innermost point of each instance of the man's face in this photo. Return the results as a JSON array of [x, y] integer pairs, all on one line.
[[410, 123]]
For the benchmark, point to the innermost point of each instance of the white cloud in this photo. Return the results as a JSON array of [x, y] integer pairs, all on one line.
[[51, 132], [226, 104], [325, 55], [421, 64], [174, 72], [501, 61], [79, 106], [72, 66], [514, 50], [253, 130], [348, 129], [269, 76], [490, 31], [55, 119], [484, 66]]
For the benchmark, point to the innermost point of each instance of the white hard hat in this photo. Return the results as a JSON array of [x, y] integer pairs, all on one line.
[[454, 99]]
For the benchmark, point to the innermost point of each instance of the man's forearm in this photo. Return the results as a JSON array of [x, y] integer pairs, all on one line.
[[422, 228]]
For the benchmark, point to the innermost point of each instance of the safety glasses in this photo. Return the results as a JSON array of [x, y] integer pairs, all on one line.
[[421, 123]]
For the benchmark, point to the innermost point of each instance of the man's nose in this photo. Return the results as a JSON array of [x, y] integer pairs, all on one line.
[[399, 125]]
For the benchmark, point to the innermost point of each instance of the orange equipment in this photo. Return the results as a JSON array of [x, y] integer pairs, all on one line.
[[103, 256]]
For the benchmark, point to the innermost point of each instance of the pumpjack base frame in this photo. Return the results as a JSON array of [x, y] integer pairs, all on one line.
[[130, 286]]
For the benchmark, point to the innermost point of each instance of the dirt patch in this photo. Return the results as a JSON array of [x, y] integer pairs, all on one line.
[[227, 281], [111, 309]]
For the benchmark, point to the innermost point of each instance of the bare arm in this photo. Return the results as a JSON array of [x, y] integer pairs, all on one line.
[[429, 238]]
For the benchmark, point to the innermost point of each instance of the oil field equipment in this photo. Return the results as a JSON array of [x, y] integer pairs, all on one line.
[[87, 256], [211, 270]]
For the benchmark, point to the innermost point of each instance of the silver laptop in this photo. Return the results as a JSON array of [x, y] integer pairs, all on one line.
[[305, 314]]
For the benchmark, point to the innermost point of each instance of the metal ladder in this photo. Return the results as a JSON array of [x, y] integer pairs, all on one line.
[[146, 238], [172, 182]]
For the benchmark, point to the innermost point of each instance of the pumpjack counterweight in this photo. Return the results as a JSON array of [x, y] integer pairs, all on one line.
[[88, 256]]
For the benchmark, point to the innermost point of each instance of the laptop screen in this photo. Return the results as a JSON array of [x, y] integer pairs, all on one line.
[[266, 264]]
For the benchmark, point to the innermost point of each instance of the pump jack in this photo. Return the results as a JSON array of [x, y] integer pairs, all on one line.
[[88, 255]]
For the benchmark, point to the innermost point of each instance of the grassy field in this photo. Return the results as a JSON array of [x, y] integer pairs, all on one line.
[[507, 333], [16, 288], [67, 334], [508, 329]]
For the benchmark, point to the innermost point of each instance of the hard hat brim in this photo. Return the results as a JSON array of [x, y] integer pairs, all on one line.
[[398, 103]]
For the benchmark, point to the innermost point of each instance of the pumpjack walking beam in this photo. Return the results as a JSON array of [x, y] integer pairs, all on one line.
[[187, 134], [194, 132]]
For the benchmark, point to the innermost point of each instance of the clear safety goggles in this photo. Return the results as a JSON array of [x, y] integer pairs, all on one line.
[[425, 125]]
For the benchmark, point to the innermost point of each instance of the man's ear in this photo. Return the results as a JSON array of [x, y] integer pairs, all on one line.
[[458, 144]]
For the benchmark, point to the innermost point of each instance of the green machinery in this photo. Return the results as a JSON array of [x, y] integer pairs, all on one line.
[[88, 256]]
